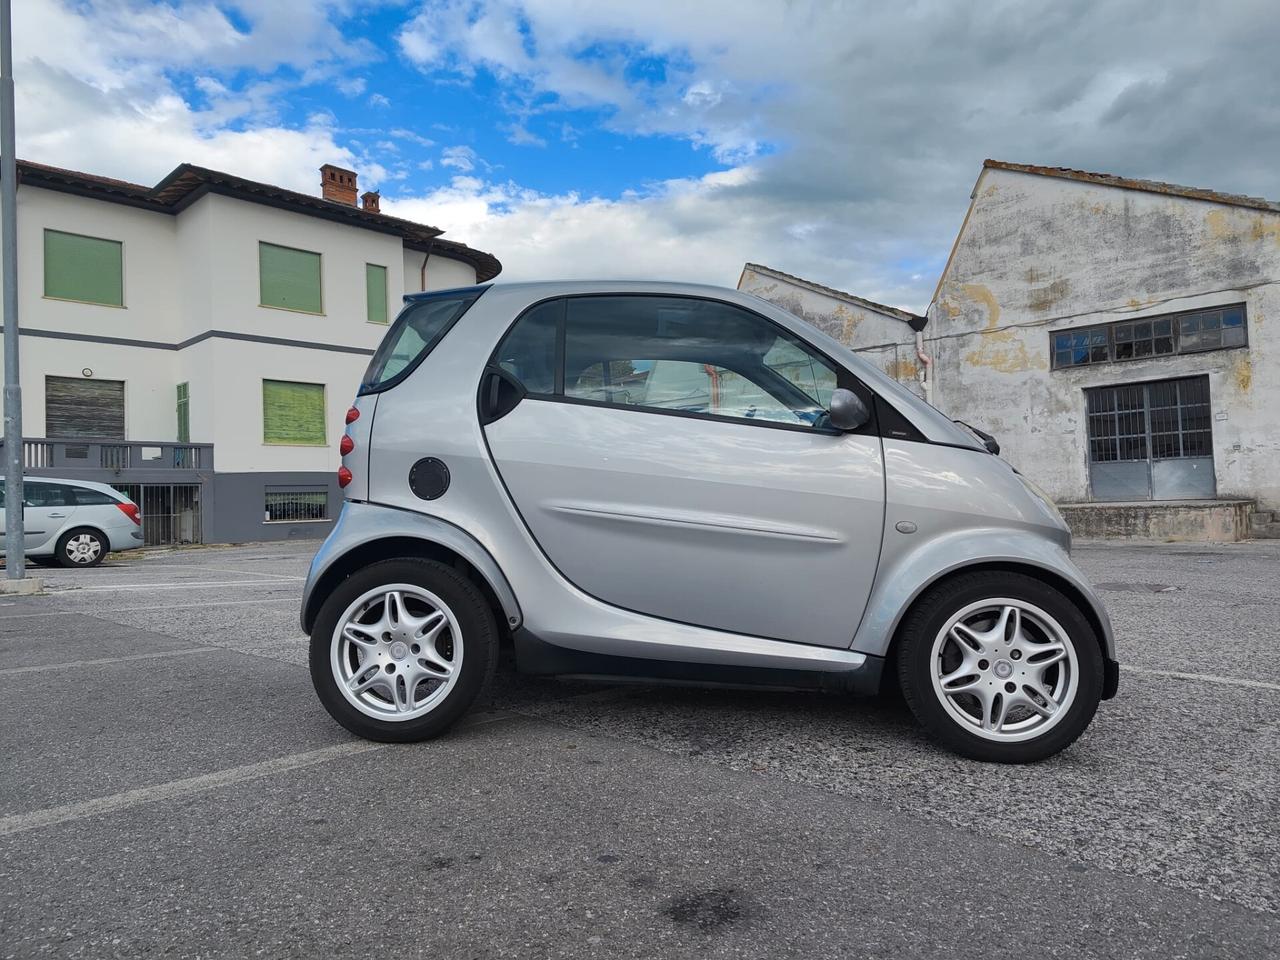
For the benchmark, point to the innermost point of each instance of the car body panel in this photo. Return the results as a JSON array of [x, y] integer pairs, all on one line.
[[724, 525]]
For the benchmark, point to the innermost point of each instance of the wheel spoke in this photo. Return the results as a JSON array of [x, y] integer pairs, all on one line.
[[1009, 626], [1033, 693], [403, 688], [360, 634], [363, 678], [961, 679], [430, 627], [1046, 655], [394, 612], [433, 663], [966, 638], [995, 711]]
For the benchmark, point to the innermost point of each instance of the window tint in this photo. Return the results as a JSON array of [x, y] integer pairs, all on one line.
[[420, 326], [695, 356], [84, 497], [37, 494], [528, 351]]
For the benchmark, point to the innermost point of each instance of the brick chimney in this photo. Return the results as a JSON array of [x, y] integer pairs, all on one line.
[[338, 185], [369, 200]]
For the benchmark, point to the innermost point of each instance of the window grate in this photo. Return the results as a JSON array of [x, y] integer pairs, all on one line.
[[296, 506]]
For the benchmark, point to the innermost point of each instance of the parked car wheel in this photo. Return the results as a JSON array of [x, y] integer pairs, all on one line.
[[401, 649], [1000, 667], [81, 547]]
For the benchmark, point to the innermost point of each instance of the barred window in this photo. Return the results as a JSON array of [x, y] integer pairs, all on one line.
[[1191, 332], [295, 506]]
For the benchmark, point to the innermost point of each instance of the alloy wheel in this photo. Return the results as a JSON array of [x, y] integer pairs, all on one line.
[[396, 652], [1004, 669]]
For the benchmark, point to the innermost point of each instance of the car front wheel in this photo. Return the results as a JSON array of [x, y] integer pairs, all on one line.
[[1000, 667], [81, 548], [401, 649]]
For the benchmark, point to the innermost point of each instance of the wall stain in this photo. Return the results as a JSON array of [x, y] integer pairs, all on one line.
[[1243, 374], [999, 350], [1042, 298], [1255, 227], [905, 369]]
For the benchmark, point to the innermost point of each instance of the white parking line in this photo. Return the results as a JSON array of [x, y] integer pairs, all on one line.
[[180, 584], [167, 606], [176, 789], [1202, 677], [251, 573], [63, 664]]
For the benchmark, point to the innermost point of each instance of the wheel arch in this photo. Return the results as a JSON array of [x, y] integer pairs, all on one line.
[[491, 583], [900, 587]]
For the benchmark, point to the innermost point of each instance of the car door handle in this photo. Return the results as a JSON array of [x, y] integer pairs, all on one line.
[[59, 516]]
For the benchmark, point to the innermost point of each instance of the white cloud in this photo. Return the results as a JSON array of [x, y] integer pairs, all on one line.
[[458, 158], [352, 86], [379, 101], [518, 134]]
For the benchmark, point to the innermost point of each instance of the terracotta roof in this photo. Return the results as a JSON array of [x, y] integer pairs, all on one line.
[[1129, 183], [917, 322], [187, 183]]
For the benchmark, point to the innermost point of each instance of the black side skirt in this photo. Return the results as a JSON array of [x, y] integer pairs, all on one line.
[[535, 656]]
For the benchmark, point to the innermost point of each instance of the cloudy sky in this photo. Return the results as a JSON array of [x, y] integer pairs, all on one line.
[[664, 138]]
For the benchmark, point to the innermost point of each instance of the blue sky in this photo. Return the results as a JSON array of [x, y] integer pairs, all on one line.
[[587, 138]]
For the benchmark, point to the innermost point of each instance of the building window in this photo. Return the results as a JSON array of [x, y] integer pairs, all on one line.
[[293, 413], [296, 506], [86, 269], [76, 408], [1190, 332], [375, 282], [289, 279], [184, 413]]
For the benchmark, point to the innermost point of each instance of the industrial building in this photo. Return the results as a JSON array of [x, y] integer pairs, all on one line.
[[1117, 337]]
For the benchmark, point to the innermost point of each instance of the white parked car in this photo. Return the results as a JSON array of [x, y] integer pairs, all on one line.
[[74, 522]]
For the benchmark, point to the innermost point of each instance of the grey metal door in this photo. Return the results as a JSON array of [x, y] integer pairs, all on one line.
[[1151, 441]]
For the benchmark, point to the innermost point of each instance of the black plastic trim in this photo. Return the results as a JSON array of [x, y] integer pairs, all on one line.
[[536, 656]]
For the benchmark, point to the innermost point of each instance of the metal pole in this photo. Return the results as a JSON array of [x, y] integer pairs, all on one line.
[[15, 555]]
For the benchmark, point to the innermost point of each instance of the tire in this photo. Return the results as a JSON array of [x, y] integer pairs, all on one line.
[[82, 547], [1025, 705], [428, 669]]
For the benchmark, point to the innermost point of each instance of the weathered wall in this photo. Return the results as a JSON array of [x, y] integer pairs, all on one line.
[[1041, 254], [880, 338]]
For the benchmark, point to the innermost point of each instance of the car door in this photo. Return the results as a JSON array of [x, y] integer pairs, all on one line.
[[48, 509], [670, 455]]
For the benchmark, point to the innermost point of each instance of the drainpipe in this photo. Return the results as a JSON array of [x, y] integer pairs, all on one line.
[[422, 279], [927, 380]]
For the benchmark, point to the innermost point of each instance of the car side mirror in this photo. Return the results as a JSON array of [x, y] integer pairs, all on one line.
[[846, 411]]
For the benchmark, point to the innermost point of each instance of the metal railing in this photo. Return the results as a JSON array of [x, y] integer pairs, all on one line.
[[74, 456]]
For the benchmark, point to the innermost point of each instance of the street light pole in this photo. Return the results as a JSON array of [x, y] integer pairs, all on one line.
[[15, 556]]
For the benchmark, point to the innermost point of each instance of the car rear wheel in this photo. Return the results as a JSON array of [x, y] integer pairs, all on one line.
[[81, 548], [1000, 667], [401, 649]]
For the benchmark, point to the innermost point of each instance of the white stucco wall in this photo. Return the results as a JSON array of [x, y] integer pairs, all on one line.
[[196, 272], [882, 339], [1041, 254]]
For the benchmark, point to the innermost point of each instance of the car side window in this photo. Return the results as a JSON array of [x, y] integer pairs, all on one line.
[[528, 351], [36, 494], [84, 497], [693, 356]]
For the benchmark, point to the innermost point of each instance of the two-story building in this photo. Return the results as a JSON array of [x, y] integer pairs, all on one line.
[[197, 343]]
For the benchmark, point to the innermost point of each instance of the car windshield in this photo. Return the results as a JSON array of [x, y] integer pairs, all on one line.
[[420, 326]]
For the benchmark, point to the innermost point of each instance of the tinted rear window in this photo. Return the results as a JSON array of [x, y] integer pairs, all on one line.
[[421, 325]]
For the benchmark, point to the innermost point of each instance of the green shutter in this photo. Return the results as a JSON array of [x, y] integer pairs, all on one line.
[[293, 412], [289, 279], [83, 268], [375, 282], [184, 413]]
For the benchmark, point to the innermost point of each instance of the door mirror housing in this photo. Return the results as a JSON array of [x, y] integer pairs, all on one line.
[[846, 411]]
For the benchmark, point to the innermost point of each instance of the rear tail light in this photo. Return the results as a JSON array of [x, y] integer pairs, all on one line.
[[131, 511], [353, 415], [346, 445], [344, 476]]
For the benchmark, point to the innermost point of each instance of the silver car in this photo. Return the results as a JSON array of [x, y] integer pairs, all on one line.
[[684, 483], [75, 523]]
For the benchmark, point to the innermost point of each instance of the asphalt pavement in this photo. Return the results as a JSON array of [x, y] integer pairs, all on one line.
[[169, 786]]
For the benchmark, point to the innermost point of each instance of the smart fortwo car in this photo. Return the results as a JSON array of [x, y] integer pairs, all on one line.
[[685, 483]]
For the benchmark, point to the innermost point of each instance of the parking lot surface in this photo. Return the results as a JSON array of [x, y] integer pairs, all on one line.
[[169, 785]]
